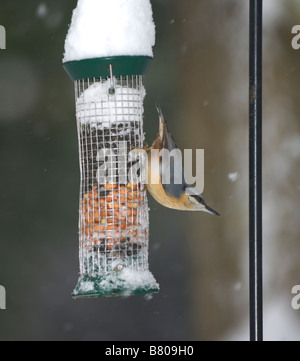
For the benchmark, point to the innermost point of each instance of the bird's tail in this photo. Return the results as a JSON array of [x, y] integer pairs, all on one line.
[[158, 108], [162, 123]]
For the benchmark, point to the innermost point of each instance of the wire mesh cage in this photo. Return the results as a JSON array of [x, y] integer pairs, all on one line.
[[113, 209]]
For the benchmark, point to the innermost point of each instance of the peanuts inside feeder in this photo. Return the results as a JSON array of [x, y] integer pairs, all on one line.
[[113, 209]]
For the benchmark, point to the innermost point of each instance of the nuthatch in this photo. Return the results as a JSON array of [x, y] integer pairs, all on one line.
[[176, 196]]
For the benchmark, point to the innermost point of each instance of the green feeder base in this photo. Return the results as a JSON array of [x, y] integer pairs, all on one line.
[[141, 283]]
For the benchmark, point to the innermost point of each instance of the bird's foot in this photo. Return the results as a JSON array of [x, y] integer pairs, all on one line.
[[146, 148]]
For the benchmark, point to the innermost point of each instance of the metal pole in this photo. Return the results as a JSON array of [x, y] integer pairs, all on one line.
[[255, 171]]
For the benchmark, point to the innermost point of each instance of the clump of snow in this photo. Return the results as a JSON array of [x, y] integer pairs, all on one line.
[[103, 28], [96, 105], [138, 279], [42, 10], [86, 286], [128, 280], [148, 297], [233, 177], [123, 283]]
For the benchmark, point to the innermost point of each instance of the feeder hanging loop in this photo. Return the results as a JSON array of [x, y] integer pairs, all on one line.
[[112, 85]]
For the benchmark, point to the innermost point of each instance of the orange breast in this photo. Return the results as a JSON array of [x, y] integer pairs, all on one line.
[[157, 191]]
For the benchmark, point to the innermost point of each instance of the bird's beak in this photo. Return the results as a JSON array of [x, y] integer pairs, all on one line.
[[210, 210], [205, 207]]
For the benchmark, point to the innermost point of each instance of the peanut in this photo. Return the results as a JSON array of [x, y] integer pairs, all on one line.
[[132, 186], [111, 227], [123, 191], [113, 206], [132, 195], [97, 228], [132, 205], [92, 195], [110, 186]]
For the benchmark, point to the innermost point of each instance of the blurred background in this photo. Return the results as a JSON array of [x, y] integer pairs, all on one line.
[[199, 76]]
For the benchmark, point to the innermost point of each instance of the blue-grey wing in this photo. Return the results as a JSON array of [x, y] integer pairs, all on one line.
[[171, 166], [168, 141], [172, 173]]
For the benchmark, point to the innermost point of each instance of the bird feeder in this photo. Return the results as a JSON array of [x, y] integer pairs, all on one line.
[[113, 207]]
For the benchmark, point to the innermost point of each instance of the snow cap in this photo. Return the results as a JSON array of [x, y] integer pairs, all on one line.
[[106, 28]]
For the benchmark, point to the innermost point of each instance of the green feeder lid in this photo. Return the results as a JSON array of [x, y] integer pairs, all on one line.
[[100, 67]]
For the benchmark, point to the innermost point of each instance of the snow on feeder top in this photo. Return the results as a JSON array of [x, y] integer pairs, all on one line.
[[107, 51]]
